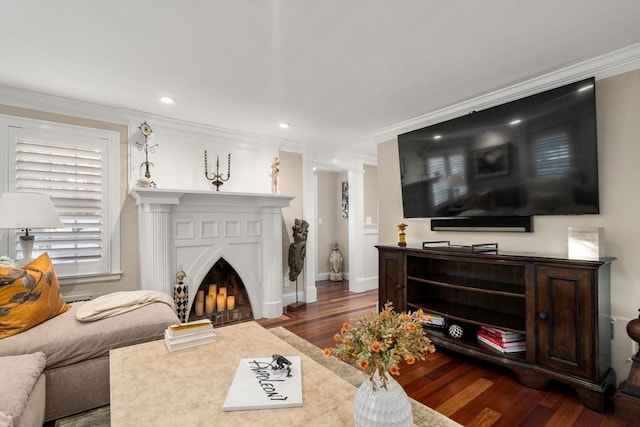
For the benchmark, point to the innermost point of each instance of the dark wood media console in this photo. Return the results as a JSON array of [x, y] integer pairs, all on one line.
[[561, 306]]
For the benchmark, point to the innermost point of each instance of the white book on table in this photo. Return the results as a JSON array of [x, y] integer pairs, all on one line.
[[190, 328], [172, 345], [190, 337], [257, 386]]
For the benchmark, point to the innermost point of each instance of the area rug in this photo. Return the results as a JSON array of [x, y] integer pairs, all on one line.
[[422, 415]]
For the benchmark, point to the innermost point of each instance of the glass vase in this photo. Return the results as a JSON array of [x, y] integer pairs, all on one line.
[[388, 407]]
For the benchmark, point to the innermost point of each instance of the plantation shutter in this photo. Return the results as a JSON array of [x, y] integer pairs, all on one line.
[[551, 154], [447, 166], [456, 165], [437, 168], [72, 172]]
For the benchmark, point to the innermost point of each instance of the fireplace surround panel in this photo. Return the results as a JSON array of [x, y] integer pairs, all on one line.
[[192, 230]]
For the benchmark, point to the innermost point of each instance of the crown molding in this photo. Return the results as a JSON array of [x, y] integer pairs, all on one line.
[[604, 66], [608, 65], [131, 118], [58, 105]]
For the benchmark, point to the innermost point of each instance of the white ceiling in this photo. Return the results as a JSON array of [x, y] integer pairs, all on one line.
[[336, 70]]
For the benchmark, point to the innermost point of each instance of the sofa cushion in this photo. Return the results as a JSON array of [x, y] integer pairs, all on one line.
[[29, 295], [18, 376], [5, 420], [65, 340]]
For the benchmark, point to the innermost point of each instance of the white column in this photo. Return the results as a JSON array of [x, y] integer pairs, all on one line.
[[309, 213], [155, 240], [356, 231], [155, 261], [271, 274]]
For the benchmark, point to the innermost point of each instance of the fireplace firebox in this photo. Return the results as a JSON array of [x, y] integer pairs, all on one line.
[[228, 300]]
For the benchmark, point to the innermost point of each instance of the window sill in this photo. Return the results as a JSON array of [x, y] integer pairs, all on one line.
[[77, 280]]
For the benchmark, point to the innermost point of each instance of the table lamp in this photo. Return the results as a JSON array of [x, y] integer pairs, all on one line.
[[27, 211]]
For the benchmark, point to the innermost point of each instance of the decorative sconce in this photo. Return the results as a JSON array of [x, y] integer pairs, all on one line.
[[146, 131], [217, 178]]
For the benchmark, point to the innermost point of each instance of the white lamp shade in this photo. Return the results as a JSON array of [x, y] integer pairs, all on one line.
[[27, 211]]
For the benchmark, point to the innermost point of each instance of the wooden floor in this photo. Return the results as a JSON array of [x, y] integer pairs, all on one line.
[[468, 391]]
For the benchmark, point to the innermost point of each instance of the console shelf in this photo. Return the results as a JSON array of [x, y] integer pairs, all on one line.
[[557, 304], [472, 315], [466, 284], [471, 346]]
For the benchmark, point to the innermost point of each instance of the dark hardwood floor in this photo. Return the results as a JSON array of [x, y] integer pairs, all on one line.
[[468, 391]]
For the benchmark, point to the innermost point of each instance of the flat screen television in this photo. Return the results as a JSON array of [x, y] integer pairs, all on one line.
[[532, 156]]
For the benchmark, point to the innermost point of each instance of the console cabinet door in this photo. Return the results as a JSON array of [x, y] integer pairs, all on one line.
[[565, 320], [391, 281]]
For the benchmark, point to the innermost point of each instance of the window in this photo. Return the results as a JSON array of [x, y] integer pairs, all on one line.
[[437, 169], [551, 154], [450, 168], [77, 167]]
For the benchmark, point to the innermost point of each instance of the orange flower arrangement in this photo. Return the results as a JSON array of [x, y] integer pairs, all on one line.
[[378, 343]]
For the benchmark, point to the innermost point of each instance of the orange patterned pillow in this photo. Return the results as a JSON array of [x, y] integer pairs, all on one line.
[[29, 295]]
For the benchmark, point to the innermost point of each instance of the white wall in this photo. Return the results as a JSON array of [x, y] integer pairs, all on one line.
[[618, 119], [291, 184], [179, 157], [328, 204], [370, 194]]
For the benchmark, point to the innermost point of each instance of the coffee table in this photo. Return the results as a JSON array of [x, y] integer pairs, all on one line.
[[151, 386]]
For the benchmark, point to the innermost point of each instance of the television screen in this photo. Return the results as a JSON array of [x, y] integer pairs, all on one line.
[[533, 156]]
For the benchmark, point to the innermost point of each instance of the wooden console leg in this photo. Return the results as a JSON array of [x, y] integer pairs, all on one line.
[[594, 396]]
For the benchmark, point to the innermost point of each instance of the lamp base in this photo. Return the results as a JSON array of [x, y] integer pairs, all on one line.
[[26, 244]]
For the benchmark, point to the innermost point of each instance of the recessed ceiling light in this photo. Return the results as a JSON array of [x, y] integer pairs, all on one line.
[[166, 99], [285, 125]]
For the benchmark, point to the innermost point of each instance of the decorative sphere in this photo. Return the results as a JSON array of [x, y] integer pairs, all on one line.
[[456, 331]]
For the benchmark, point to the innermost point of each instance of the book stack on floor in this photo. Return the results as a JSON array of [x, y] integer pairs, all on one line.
[[190, 334], [501, 340]]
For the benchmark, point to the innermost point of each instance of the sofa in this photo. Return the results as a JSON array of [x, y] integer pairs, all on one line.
[[22, 397], [76, 370]]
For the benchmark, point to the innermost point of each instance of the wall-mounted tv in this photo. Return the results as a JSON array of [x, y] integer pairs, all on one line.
[[533, 156]]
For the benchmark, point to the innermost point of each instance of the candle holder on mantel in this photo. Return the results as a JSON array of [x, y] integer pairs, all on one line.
[[217, 179]]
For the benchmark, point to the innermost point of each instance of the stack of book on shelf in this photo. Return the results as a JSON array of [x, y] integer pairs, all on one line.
[[190, 334], [433, 320], [501, 340]]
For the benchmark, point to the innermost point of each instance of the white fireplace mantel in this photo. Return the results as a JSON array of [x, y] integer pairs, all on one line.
[[191, 230]]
